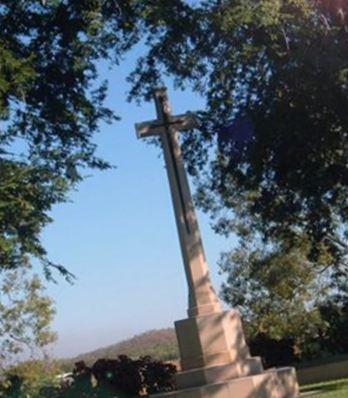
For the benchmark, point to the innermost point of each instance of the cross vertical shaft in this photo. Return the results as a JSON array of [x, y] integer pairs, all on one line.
[[202, 297]]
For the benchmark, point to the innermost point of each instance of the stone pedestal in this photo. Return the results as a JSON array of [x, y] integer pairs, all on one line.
[[216, 362], [210, 340]]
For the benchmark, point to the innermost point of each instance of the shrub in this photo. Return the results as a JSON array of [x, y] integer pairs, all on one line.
[[28, 379], [134, 377], [121, 377]]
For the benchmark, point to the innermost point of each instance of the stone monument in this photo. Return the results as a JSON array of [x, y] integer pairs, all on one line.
[[215, 359]]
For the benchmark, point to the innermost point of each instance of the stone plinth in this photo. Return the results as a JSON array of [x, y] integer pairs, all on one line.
[[216, 362], [209, 340]]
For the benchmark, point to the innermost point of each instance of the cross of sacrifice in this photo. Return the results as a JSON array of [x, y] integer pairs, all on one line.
[[202, 297]]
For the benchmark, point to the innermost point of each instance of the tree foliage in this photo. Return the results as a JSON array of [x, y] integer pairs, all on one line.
[[26, 314], [28, 379], [51, 104], [279, 297], [282, 64]]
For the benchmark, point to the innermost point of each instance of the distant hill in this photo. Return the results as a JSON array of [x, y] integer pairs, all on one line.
[[159, 344]]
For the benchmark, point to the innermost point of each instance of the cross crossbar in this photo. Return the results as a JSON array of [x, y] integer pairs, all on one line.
[[156, 127]]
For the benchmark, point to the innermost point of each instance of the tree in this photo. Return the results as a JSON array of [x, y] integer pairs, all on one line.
[[51, 104], [25, 315], [280, 299], [270, 155]]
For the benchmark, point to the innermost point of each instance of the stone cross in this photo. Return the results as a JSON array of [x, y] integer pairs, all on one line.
[[202, 297], [214, 357]]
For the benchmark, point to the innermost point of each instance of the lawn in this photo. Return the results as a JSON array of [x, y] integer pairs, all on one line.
[[331, 389]]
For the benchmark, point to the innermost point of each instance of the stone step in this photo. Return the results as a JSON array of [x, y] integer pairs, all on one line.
[[214, 374], [275, 383]]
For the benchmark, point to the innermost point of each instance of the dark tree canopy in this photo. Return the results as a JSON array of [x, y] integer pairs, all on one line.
[[284, 65]]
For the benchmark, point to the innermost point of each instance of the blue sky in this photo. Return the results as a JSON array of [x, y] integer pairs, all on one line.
[[118, 236]]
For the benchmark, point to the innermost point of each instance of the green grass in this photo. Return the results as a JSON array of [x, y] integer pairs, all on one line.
[[330, 389]]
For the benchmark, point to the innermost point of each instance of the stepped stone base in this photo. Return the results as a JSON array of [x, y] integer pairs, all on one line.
[[216, 362], [278, 383]]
